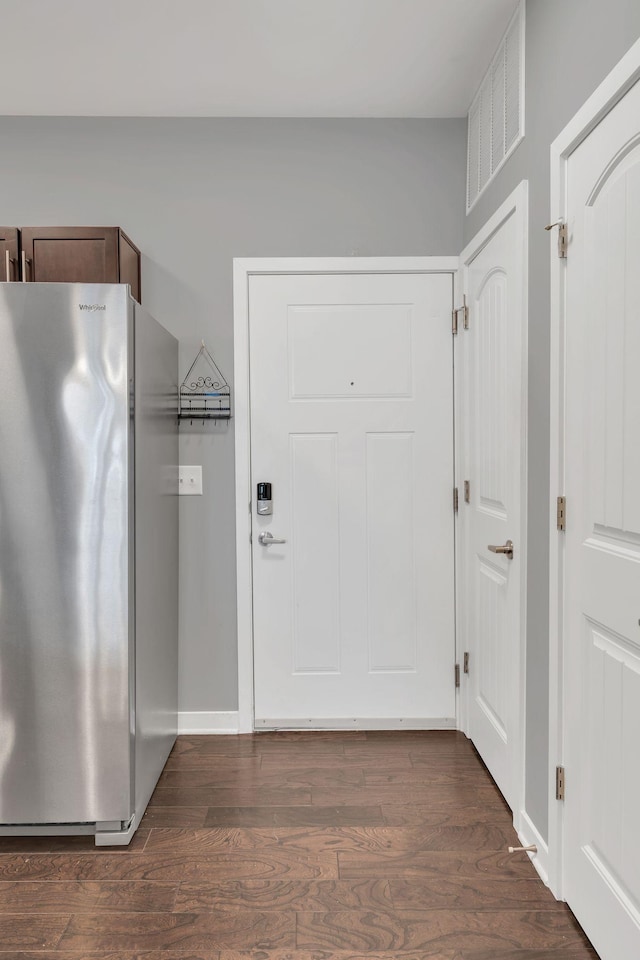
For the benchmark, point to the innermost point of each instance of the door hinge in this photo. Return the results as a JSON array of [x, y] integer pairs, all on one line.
[[464, 310], [561, 515], [467, 491], [457, 674], [563, 237], [559, 783], [563, 240], [465, 663], [456, 499]]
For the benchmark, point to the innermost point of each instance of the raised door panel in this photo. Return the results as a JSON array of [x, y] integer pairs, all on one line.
[[349, 351], [392, 577], [492, 654], [491, 395], [314, 471], [614, 688], [9, 266], [613, 395]]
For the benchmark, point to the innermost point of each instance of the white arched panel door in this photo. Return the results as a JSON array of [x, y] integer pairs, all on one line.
[[493, 466], [602, 550]]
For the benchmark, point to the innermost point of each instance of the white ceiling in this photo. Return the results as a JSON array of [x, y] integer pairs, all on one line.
[[246, 58]]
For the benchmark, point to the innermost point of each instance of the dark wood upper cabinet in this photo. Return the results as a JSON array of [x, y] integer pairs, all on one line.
[[9, 264], [80, 255]]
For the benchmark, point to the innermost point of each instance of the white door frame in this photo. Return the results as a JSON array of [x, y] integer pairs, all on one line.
[[600, 103], [516, 205], [243, 269]]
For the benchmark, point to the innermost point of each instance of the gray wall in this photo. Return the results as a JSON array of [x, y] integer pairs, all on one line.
[[570, 48], [193, 194]]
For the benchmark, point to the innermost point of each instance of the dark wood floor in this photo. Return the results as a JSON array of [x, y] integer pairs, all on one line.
[[289, 846]]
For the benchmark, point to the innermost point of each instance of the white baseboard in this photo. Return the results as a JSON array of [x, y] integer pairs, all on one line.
[[528, 834], [206, 721]]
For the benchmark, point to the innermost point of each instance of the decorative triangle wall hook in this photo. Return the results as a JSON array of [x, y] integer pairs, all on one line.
[[204, 392]]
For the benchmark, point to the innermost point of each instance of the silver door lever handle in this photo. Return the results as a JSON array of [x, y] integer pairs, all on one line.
[[267, 538], [507, 549]]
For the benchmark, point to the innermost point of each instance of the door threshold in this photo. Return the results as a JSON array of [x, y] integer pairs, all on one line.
[[348, 723]]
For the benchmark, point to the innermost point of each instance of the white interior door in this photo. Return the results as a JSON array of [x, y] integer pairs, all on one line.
[[492, 512], [602, 558], [352, 424]]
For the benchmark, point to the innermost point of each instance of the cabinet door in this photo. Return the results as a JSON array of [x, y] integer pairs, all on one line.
[[129, 257], [70, 254], [9, 267]]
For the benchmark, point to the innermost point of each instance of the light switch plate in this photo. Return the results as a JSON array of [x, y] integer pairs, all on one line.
[[190, 481]]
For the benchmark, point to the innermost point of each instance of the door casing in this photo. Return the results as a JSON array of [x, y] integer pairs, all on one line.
[[243, 269], [613, 88]]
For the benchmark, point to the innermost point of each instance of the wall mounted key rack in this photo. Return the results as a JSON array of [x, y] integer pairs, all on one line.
[[204, 392]]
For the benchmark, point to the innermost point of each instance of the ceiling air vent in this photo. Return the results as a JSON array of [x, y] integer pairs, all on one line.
[[496, 116]]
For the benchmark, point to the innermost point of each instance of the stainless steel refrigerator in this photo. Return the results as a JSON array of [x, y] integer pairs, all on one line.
[[88, 558]]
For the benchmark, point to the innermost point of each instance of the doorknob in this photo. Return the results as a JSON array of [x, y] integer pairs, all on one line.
[[267, 538], [507, 549]]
